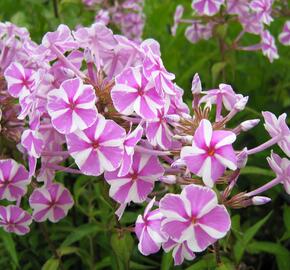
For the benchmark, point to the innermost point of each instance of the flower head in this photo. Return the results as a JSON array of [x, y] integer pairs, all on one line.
[[284, 37], [148, 230], [14, 219], [98, 148], [194, 216], [263, 8], [13, 180], [211, 152], [72, 106], [268, 45], [207, 7], [50, 202], [138, 183]]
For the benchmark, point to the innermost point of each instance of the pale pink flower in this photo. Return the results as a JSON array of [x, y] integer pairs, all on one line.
[[138, 183], [196, 87], [50, 202], [194, 216], [14, 219], [72, 106], [20, 80], [98, 148], [102, 16], [277, 127], [211, 153], [263, 9], [268, 46], [180, 251], [238, 7], [177, 16], [281, 167], [284, 37], [198, 31], [133, 92], [13, 180], [147, 229], [207, 7]]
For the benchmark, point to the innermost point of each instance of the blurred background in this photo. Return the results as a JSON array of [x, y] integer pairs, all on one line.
[[260, 235]]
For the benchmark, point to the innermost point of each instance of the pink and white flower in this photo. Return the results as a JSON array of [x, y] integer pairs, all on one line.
[[13, 180], [14, 219], [50, 202], [180, 251], [130, 142], [98, 148], [207, 7], [263, 8], [138, 183], [33, 142], [148, 230], [238, 7], [72, 106], [194, 216], [284, 37], [20, 80], [133, 92], [177, 16], [277, 127], [281, 167], [211, 153], [268, 46]]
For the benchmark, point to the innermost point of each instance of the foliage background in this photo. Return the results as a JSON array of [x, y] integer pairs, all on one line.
[[88, 238]]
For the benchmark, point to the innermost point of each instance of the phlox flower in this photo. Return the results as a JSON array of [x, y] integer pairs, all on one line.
[[14, 219], [72, 106], [207, 7], [13, 180], [238, 7], [198, 31], [147, 229], [177, 16], [211, 152], [263, 8], [277, 127], [194, 216], [138, 183], [20, 80], [33, 142], [98, 148], [281, 167], [284, 37], [268, 46], [133, 92], [180, 251], [129, 143], [50, 202]]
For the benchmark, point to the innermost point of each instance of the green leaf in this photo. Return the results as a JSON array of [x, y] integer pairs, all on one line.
[[51, 264], [122, 246], [216, 70], [167, 260], [206, 262], [10, 246], [281, 253], [62, 251], [139, 266], [257, 170], [80, 232]]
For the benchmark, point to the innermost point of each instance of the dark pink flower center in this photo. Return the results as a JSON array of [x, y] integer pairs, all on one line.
[[26, 82], [193, 220], [140, 92], [72, 106], [211, 151], [95, 144], [134, 176]]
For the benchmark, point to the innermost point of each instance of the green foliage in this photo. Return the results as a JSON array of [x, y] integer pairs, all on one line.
[[86, 239]]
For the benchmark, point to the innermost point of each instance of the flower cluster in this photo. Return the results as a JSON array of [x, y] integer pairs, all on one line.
[[127, 15], [254, 16], [110, 106]]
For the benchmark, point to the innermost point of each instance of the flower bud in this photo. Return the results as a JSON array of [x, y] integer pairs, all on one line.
[[179, 163], [186, 116], [168, 179], [185, 139], [242, 158], [260, 200], [241, 104], [249, 124], [196, 85]]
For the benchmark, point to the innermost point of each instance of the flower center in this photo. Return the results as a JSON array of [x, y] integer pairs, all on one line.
[[134, 176], [211, 151], [72, 106], [140, 92], [193, 220], [95, 144]]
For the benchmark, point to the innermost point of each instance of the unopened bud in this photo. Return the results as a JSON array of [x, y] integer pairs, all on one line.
[[185, 139], [249, 124], [260, 200], [196, 85], [179, 163], [168, 179], [241, 104], [186, 116], [242, 158]]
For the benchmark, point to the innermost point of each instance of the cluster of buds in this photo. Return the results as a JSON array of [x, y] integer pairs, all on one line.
[[107, 105], [253, 15], [126, 15]]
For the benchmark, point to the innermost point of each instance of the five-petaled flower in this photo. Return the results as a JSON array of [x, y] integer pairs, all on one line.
[[211, 152]]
